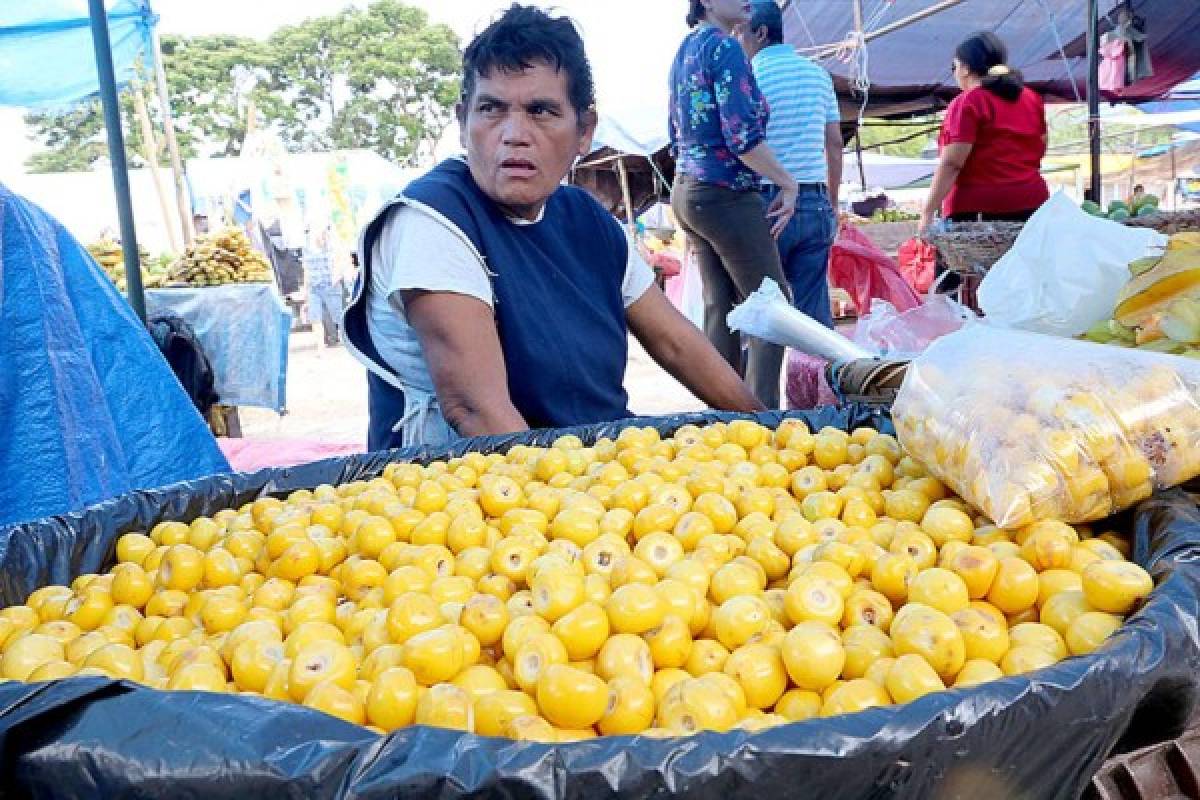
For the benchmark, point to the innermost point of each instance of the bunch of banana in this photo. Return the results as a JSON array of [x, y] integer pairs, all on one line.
[[111, 258], [225, 256]]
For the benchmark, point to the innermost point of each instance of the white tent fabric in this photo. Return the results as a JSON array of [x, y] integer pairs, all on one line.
[[886, 172]]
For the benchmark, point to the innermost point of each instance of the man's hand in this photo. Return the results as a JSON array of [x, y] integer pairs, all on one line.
[[680, 348], [462, 348]]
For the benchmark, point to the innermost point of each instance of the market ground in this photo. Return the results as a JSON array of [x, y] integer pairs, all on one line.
[[327, 395]]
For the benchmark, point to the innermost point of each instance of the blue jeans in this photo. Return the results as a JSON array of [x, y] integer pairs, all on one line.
[[804, 250]]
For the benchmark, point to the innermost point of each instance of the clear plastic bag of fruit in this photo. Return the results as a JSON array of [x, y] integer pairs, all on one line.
[[1029, 427]]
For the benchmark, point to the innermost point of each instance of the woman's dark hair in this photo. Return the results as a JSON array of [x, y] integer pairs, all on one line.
[[695, 13], [986, 56], [523, 36]]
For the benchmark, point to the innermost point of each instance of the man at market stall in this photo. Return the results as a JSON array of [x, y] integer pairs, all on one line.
[[805, 134], [493, 299]]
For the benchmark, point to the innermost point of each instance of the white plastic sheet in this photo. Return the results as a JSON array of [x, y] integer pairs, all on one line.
[[1064, 272], [768, 315]]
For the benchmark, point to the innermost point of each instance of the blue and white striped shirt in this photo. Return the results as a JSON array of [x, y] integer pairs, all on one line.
[[802, 102]]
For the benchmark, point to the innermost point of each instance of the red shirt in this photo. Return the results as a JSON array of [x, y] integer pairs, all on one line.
[[1002, 173]]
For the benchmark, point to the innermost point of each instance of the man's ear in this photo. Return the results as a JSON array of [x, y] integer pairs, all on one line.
[[588, 121], [460, 112], [761, 35]]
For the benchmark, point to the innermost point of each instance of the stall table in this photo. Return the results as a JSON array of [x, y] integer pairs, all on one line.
[[243, 330]]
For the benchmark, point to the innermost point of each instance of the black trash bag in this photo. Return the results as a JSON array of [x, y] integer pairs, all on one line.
[[1036, 736]]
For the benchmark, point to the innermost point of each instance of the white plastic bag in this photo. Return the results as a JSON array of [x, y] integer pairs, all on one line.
[[768, 315], [1065, 270], [1028, 427]]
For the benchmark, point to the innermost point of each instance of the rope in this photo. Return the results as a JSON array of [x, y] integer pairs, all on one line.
[[1062, 51]]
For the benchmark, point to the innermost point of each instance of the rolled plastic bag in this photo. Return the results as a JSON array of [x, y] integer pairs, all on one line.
[[1029, 427], [768, 315]]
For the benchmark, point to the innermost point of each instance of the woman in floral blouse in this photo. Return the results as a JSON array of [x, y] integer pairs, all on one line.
[[718, 131]]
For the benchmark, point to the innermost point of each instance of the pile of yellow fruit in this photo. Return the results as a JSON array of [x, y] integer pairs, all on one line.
[[222, 257], [727, 576], [1077, 434]]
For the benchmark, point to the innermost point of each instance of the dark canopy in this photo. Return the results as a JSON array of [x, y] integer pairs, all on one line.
[[910, 68]]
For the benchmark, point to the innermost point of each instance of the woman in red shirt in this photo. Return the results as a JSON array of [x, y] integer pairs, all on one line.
[[992, 141]]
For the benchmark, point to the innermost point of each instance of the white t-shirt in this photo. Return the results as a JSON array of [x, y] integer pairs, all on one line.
[[417, 251]]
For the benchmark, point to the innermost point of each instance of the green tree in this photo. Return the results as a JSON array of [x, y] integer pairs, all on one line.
[[381, 78], [908, 138]]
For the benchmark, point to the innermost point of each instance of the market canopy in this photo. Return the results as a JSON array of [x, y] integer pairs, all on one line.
[[909, 69], [46, 53]]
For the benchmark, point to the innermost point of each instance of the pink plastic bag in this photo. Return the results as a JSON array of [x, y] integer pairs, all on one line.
[[918, 263], [866, 272], [806, 384], [904, 334]]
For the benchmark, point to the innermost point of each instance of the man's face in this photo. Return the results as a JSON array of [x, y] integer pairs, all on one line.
[[522, 136], [752, 40]]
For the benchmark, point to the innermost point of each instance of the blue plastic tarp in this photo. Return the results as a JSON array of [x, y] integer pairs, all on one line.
[[91, 410], [243, 330], [47, 59]]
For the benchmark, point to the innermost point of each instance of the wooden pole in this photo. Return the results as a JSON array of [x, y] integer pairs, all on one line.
[[164, 99], [824, 51], [628, 197], [150, 151]]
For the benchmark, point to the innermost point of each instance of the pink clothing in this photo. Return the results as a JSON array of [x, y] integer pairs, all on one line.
[[1112, 65]]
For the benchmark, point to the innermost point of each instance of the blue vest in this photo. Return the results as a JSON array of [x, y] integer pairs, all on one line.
[[557, 299]]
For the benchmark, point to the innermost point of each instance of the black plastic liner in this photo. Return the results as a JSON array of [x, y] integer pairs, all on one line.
[[1034, 736]]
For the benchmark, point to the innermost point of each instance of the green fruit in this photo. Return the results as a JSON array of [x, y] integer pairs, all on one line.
[[1146, 210], [1143, 265], [1181, 321], [1162, 346], [1091, 207], [1099, 333], [1120, 332], [1119, 215]]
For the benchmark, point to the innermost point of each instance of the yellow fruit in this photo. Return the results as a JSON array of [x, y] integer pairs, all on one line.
[[760, 672], [630, 708], [911, 677], [335, 700], [318, 662], [891, 575], [944, 524], [799, 704], [485, 617], [495, 711], [26, 653], [813, 655], [977, 671], [867, 607], [931, 634], [198, 677], [1061, 609], [1088, 631], [670, 643], [253, 662], [939, 588], [571, 698], [133, 548], [534, 656], [583, 630], [1116, 586], [1043, 637], [635, 608], [412, 613], [853, 696], [629, 655], [984, 637], [693, 705], [435, 656], [1025, 658], [863, 645], [812, 598], [977, 566], [118, 661], [740, 619], [556, 593], [131, 585], [1015, 587]]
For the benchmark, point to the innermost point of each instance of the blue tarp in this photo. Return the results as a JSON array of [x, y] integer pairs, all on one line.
[[243, 330], [90, 408], [46, 55]]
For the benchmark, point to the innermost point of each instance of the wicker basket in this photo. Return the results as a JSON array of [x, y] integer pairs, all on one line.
[[971, 248], [1168, 222]]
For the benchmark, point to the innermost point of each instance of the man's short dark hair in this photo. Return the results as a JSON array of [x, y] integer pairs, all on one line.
[[766, 14], [524, 36]]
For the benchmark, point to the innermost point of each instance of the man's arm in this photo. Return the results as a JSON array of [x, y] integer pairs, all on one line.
[[680, 348], [461, 345], [833, 160]]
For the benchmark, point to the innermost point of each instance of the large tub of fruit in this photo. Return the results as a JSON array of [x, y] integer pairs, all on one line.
[[702, 606]]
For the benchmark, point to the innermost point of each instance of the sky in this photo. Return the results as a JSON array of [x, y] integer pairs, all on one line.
[[630, 42]]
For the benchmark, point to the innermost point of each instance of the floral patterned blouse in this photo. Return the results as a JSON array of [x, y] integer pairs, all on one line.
[[717, 112]]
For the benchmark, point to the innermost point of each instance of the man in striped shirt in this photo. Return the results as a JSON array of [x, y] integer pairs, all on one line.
[[804, 132]]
